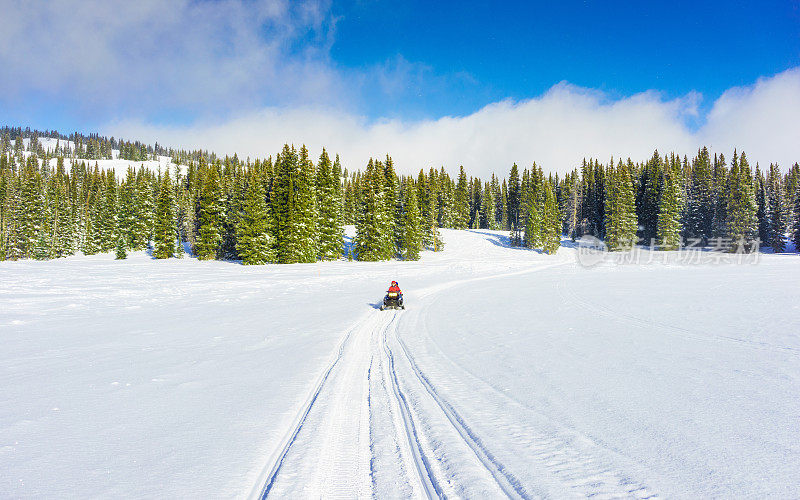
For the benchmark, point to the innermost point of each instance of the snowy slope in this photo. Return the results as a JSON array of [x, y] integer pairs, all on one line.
[[119, 166], [510, 374]]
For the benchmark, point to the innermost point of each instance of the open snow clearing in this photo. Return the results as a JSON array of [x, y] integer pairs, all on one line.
[[377, 426], [510, 374]]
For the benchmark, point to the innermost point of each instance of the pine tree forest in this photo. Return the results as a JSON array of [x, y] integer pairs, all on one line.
[[292, 208]]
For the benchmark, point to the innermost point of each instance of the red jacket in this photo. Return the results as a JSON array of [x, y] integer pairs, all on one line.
[[394, 288]]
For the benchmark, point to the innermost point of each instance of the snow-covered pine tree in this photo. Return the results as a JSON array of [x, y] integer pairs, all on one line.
[[60, 225], [433, 238], [329, 208], [370, 225], [701, 199], [720, 218], [499, 206], [551, 220], [146, 194], [599, 199], [445, 202], [487, 215], [93, 232], [573, 200], [778, 210], [210, 210], [411, 239], [254, 241], [31, 220], [108, 212], [796, 226], [14, 230], [392, 193], [762, 209], [349, 215], [476, 202], [305, 215], [621, 224], [126, 211], [164, 231], [669, 208], [233, 187], [120, 253], [742, 224], [648, 198], [397, 216], [513, 206], [534, 206]]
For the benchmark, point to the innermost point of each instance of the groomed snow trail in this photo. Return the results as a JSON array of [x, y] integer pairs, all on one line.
[[376, 424], [370, 429]]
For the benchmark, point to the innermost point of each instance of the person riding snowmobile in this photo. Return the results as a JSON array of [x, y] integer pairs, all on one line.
[[394, 297]]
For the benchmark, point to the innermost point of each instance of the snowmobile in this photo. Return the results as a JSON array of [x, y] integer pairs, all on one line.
[[393, 300]]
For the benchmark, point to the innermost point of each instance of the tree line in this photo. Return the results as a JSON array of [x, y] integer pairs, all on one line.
[[668, 202], [291, 209]]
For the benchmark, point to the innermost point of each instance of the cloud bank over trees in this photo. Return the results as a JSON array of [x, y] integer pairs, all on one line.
[[556, 130], [248, 76]]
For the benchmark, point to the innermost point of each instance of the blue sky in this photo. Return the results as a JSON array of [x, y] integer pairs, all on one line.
[[443, 83], [479, 52]]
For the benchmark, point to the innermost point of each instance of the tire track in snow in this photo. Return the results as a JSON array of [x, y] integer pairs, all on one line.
[[269, 474], [572, 459], [510, 485], [422, 465]]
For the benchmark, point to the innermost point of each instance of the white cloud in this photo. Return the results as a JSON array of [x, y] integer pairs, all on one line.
[[135, 57], [556, 130]]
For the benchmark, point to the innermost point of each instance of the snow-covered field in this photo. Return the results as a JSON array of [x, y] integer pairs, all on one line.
[[510, 373]]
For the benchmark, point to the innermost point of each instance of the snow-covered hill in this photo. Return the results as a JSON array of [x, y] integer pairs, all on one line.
[[510, 373], [117, 164]]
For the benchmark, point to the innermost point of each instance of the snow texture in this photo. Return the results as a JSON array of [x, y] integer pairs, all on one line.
[[510, 373]]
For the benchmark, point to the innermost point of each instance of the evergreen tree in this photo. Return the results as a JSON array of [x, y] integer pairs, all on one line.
[[621, 224], [573, 200], [411, 241], [210, 210], [701, 198], [513, 206], [534, 204], [741, 209], [391, 198], [31, 217], [127, 212], [371, 226], [669, 210], [551, 220], [233, 187], [329, 203], [796, 227], [762, 210], [254, 241], [487, 215], [120, 253], [164, 237], [778, 210], [648, 198], [305, 214], [719, 226]]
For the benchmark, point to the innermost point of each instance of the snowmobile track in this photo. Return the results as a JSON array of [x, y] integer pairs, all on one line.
[[505, 480], [421, 462], [270, 472]]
